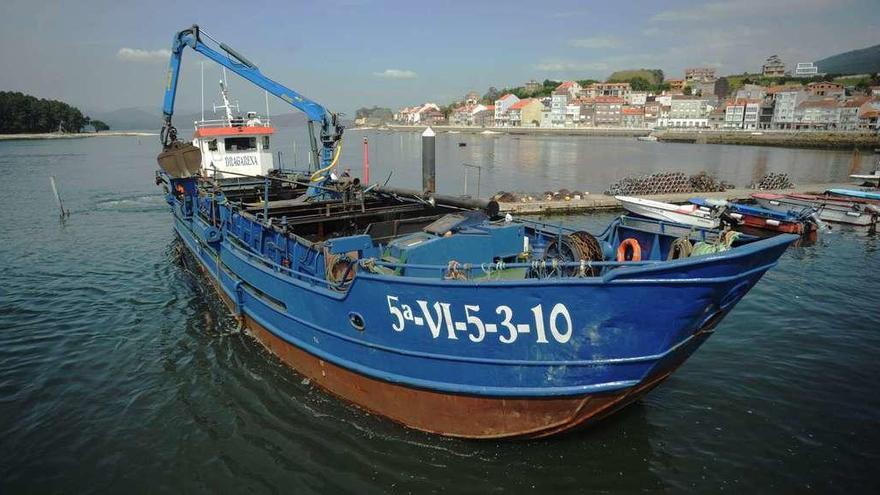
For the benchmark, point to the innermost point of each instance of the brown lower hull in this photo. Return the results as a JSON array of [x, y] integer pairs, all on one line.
[[453, 414]]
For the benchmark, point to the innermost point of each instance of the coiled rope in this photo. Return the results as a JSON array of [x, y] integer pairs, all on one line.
[[680, 248]]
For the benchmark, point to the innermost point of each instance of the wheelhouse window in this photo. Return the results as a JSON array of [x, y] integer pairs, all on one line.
[[265, 142], [241, 143], [212, 145]]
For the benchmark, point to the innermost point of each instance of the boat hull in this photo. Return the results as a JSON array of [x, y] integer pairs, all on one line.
[[497, 391], [647, 209], [758, 222], [828, 211], [460, 415]]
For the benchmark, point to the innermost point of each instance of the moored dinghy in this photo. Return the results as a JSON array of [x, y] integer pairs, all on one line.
[[684, 214], [834, 209]]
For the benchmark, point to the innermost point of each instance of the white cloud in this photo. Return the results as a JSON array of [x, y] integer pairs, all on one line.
[[599, 42], [396, 74], [742, 8], [139, 55]]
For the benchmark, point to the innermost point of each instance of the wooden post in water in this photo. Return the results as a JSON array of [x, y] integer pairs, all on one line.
[[428, 162], [366, 162], [64, 213]]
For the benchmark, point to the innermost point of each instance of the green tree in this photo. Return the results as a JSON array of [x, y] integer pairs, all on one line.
[[491, 95], [639, 83], [100, 126], [24, 113], [688, 90]]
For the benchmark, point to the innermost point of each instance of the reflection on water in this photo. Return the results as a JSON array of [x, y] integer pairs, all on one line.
[[538, 163], [121, 371]]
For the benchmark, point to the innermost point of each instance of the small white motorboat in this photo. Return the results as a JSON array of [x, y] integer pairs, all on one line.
[[648, 138], [688, 214], [872, 177]]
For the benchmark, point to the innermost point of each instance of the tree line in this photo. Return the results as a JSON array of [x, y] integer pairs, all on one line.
[[23, 113]]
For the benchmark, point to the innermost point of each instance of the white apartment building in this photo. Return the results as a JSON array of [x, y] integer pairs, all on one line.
[[806, 69], [688, 112], [502, 109], [786, 105]]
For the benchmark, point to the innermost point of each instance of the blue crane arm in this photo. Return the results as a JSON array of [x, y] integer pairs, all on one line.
[[330, 132]]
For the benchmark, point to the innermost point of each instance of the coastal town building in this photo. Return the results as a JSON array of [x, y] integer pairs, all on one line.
[[526, 113], [869, 116], [751, 92], [829, 89], [652, 113], [704, 88], [633, 117], [688, 112], [620, 90], [484, 117], [699, 74], [676, 85], [560, 113], [472, 98], [663, 116], [636, 98], [848, 114], [502, 108], [465, 115], [426, 114], [586, 112], [608, 111], [773, 67], [786, 102], [806, 69], [717, 117], [533, 86], [765, 117], [821, 113], [742, 113]]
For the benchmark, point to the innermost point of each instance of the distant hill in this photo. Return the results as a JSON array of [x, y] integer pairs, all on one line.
[[864, 61], [653, 76], [134, 118]]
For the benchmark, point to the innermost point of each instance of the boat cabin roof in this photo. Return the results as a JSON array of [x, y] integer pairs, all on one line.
[[233, 131]]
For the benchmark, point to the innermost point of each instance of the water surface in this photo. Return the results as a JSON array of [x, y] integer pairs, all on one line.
[[120, 372]]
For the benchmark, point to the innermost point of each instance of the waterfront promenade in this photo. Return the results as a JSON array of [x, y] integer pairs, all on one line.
[[786, 139], [602, 202]]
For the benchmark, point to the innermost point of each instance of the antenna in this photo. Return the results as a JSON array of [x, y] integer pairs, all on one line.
[[266, 93], [203, 90]]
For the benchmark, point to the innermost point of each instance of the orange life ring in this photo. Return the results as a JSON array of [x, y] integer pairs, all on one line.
[[634, 246]]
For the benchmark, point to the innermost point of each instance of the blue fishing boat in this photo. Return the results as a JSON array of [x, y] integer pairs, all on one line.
[[852, 193], [435, 311], [789, 221]]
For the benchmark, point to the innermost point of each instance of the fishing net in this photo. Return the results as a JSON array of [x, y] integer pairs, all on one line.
[[665, 183], [773, 180]]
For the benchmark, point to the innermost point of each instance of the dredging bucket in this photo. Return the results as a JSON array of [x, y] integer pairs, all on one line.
[[180, 160]]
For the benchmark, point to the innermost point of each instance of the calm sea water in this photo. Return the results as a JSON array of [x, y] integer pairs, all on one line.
[[120, 372]]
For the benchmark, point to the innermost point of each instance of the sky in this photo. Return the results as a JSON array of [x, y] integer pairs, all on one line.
[[105, 55]]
